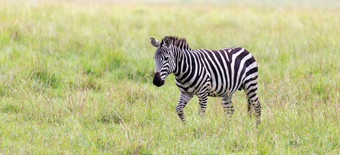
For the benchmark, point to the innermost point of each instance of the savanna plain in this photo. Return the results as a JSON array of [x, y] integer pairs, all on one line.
[[77, 78]]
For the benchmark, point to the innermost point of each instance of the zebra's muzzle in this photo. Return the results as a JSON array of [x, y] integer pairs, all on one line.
[[157, 80]]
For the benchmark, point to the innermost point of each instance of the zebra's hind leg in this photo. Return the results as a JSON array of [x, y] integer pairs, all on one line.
[[203, 98], [228, 105], [184, 98], [254, 106]]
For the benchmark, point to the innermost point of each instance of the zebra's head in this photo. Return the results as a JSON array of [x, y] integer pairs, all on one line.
[[164, 60]]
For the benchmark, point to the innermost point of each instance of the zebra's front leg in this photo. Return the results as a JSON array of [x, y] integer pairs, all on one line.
[[203, 98], [228, 105], [184, 98]]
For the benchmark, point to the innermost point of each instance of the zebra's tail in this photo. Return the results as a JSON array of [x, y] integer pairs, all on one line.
[[241, 87]]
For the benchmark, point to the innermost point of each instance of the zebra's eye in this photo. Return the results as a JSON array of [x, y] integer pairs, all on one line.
[[166, 58]]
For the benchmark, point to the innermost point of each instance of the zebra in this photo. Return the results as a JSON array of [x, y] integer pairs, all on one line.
[[206, 72]]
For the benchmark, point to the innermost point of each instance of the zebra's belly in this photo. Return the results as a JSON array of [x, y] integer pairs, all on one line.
[[212, 94], [189, 90], [221, 91], [205, 87]]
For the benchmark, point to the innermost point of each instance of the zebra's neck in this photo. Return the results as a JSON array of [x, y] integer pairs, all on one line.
[[183, 59]]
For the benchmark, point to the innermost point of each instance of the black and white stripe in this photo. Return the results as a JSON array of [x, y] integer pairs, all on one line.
[[205, 72]]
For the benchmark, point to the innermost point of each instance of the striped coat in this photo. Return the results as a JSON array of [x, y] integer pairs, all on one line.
[[205, 72]]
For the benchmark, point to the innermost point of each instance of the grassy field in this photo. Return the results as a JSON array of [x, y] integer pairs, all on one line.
[[77, 78]]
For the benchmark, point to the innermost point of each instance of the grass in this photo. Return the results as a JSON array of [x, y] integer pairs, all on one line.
[[76, 78]]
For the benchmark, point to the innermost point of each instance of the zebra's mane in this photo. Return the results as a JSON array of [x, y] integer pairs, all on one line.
[[178, 42]]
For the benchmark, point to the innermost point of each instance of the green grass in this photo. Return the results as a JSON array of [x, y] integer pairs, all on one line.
[[77, 78]]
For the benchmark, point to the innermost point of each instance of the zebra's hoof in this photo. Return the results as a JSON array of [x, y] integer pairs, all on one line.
[[258, 122]]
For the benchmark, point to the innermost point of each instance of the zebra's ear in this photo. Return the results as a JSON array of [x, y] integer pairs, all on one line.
[[166, 41], [154, 42]]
